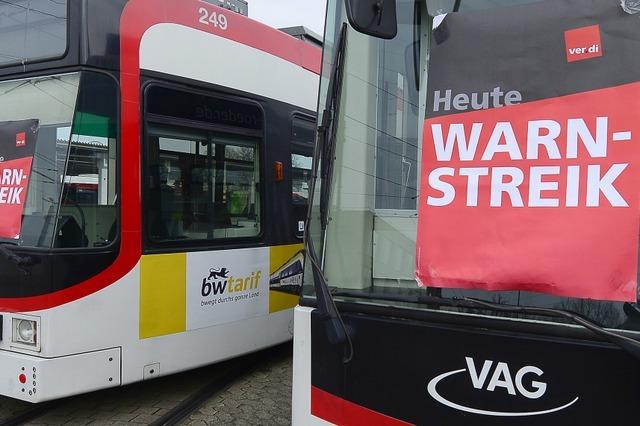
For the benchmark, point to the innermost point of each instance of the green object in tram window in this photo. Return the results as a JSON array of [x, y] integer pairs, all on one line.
[[238, 201], [93, 125]]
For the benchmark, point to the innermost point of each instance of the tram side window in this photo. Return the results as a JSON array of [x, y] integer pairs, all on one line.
[[303, 136], [88, 214], [202, 185]]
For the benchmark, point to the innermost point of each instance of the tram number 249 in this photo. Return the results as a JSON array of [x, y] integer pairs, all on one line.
[[218, 20]]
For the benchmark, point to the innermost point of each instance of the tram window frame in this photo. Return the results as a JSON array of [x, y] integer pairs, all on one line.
[[151, 245]]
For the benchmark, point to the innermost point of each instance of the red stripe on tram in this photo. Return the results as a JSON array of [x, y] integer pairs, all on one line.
[[345, 413]]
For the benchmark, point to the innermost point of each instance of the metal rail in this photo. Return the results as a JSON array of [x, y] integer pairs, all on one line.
[[37, 411], [232, 371]]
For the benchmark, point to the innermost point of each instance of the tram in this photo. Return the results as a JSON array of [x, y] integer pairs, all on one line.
[[472, 244], [153, 166]]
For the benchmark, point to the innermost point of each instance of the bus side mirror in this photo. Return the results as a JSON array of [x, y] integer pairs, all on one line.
[[376, 18]]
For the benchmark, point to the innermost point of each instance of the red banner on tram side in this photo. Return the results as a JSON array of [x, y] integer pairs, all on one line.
[[17, 147], [531, 186]]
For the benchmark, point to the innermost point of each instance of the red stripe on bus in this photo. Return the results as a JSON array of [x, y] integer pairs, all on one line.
[[345, 413], [137, 17]]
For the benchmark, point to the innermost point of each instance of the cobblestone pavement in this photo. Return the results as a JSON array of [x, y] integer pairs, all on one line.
[[262, 397]]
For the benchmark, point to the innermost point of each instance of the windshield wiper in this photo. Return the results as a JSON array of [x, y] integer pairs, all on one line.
[[629, 345], [12, 257], [328, 129], [325, 148], [414, 298]]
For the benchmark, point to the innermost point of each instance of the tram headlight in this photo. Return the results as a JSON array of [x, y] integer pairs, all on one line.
[[24, 331]]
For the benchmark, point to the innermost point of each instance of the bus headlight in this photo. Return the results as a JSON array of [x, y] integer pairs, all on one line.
[[24, 331]]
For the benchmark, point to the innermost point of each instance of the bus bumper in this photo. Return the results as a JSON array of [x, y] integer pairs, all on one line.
[[36, 379]]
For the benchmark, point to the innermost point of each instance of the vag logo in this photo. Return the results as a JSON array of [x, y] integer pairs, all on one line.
[[219, 281], [492, 376]]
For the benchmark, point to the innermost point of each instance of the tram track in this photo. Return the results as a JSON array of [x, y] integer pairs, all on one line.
[[230, 374], [31, 414], [222, 376]]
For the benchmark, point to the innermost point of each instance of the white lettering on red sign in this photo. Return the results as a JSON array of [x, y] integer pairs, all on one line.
[[538, 181], [12, 186]]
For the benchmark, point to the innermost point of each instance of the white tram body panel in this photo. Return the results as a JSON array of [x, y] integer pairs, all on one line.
[[94, 343], [301, 403]]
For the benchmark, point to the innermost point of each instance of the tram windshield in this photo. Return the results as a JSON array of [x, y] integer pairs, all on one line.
[[58, 161], [368, 250]]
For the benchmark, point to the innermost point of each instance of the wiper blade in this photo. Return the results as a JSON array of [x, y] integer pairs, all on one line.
[[416, 298], [629, 345], [325, 149], [327, 131], [334, 325]]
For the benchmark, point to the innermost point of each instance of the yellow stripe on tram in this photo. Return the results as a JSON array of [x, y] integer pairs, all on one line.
[[163, 295]]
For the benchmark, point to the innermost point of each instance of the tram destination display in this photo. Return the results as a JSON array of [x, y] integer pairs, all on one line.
[[530, 169], [17, 147]]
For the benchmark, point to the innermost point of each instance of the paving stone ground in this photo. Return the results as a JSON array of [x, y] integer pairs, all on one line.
[[261, 397]]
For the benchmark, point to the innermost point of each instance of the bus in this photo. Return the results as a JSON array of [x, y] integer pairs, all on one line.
[[149, 156], [472, 244]]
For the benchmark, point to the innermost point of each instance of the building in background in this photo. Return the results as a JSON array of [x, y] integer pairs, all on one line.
[[304, 34], [239, 6]]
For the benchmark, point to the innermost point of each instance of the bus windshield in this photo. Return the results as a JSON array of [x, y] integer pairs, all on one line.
[[368, 250], [57, 161]]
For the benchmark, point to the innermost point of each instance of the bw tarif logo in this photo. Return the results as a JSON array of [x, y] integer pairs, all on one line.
[[220, 281]]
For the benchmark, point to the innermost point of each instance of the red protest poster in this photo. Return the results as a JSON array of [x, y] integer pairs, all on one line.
[[531, 162], [17, 147]]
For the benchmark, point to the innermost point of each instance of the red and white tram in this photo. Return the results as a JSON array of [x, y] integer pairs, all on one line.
[[149, 155]]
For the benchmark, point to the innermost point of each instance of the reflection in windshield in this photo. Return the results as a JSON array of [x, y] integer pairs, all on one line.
[[51, 101], [32, 30], [438, 7], [73, 170]]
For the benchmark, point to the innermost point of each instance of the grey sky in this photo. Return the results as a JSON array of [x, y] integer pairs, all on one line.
[[289, 13]]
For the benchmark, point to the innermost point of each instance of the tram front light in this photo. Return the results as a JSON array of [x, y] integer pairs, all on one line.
[[24, 331]]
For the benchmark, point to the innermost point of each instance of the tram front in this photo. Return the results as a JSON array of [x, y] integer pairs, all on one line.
[[472, 249], [58, 191]]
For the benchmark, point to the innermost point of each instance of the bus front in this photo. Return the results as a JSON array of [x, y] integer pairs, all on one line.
[[472, 249]]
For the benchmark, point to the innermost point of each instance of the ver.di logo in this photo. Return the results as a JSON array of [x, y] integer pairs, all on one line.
[[500, 378]]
